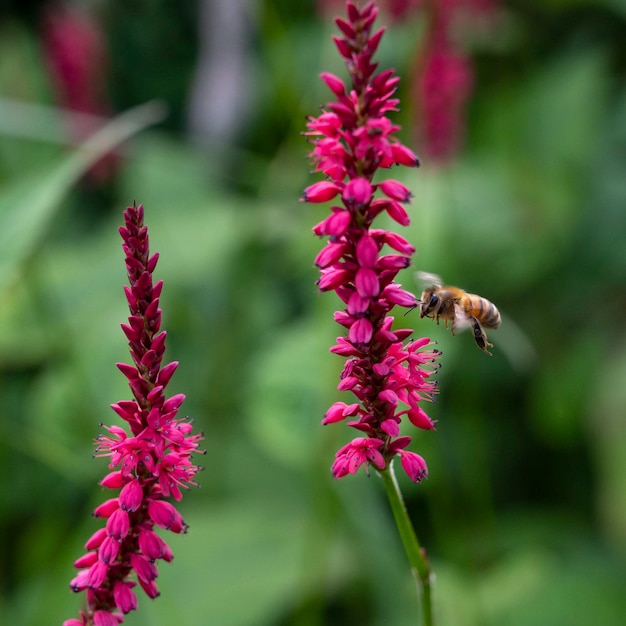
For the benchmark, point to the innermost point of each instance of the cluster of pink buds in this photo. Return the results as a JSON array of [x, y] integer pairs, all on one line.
[[352, 140], [150, 462]]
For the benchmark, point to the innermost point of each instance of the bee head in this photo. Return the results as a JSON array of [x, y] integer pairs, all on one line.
[[430, 302]]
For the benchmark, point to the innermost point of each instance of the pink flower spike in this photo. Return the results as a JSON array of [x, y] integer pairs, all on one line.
[[148, 463], [353, 143]]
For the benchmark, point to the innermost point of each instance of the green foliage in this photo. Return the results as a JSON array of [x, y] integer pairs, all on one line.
[[523, 514]]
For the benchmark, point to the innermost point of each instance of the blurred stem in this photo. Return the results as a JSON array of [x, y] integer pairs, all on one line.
[[420, 567]]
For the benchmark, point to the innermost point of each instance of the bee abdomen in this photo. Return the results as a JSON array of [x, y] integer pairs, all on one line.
[[484, 311]]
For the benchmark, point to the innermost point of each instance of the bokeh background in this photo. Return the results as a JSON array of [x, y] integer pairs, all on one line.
[[518, 110]]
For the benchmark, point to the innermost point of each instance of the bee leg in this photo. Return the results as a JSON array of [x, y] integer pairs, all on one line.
[[480, 337]]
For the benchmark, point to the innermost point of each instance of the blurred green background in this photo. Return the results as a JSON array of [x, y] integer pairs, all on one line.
[[524, 513]]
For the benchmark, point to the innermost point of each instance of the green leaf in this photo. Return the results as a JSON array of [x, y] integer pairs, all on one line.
[[28, 206]]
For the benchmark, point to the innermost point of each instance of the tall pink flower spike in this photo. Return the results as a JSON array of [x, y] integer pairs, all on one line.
[[150, 461], [353, 139]]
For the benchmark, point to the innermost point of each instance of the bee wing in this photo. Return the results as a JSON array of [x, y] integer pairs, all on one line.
[[461, 321], [426, 280]]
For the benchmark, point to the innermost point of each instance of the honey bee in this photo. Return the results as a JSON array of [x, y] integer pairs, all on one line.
[[458, 309]]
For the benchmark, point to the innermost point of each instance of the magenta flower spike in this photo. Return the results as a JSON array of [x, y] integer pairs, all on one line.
[[388, 374], [150, 460], [353, 139]]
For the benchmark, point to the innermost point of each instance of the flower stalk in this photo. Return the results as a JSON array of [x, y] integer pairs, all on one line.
[[150, 460], [420, 566], [388, 373]]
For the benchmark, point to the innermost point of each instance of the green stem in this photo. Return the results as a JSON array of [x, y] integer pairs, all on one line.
[[420, 566]]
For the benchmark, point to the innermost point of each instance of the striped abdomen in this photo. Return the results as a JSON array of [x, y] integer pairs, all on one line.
[[482, 309]]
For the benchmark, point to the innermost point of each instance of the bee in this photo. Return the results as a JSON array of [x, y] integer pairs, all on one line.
[[458, 309]]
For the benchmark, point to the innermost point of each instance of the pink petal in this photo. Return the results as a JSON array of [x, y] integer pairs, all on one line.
[[320, 192]]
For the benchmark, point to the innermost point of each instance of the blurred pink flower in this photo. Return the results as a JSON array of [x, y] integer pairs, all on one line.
[[76, 55], [150, 462], [352, 140], [444, 84], [445, 73]]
